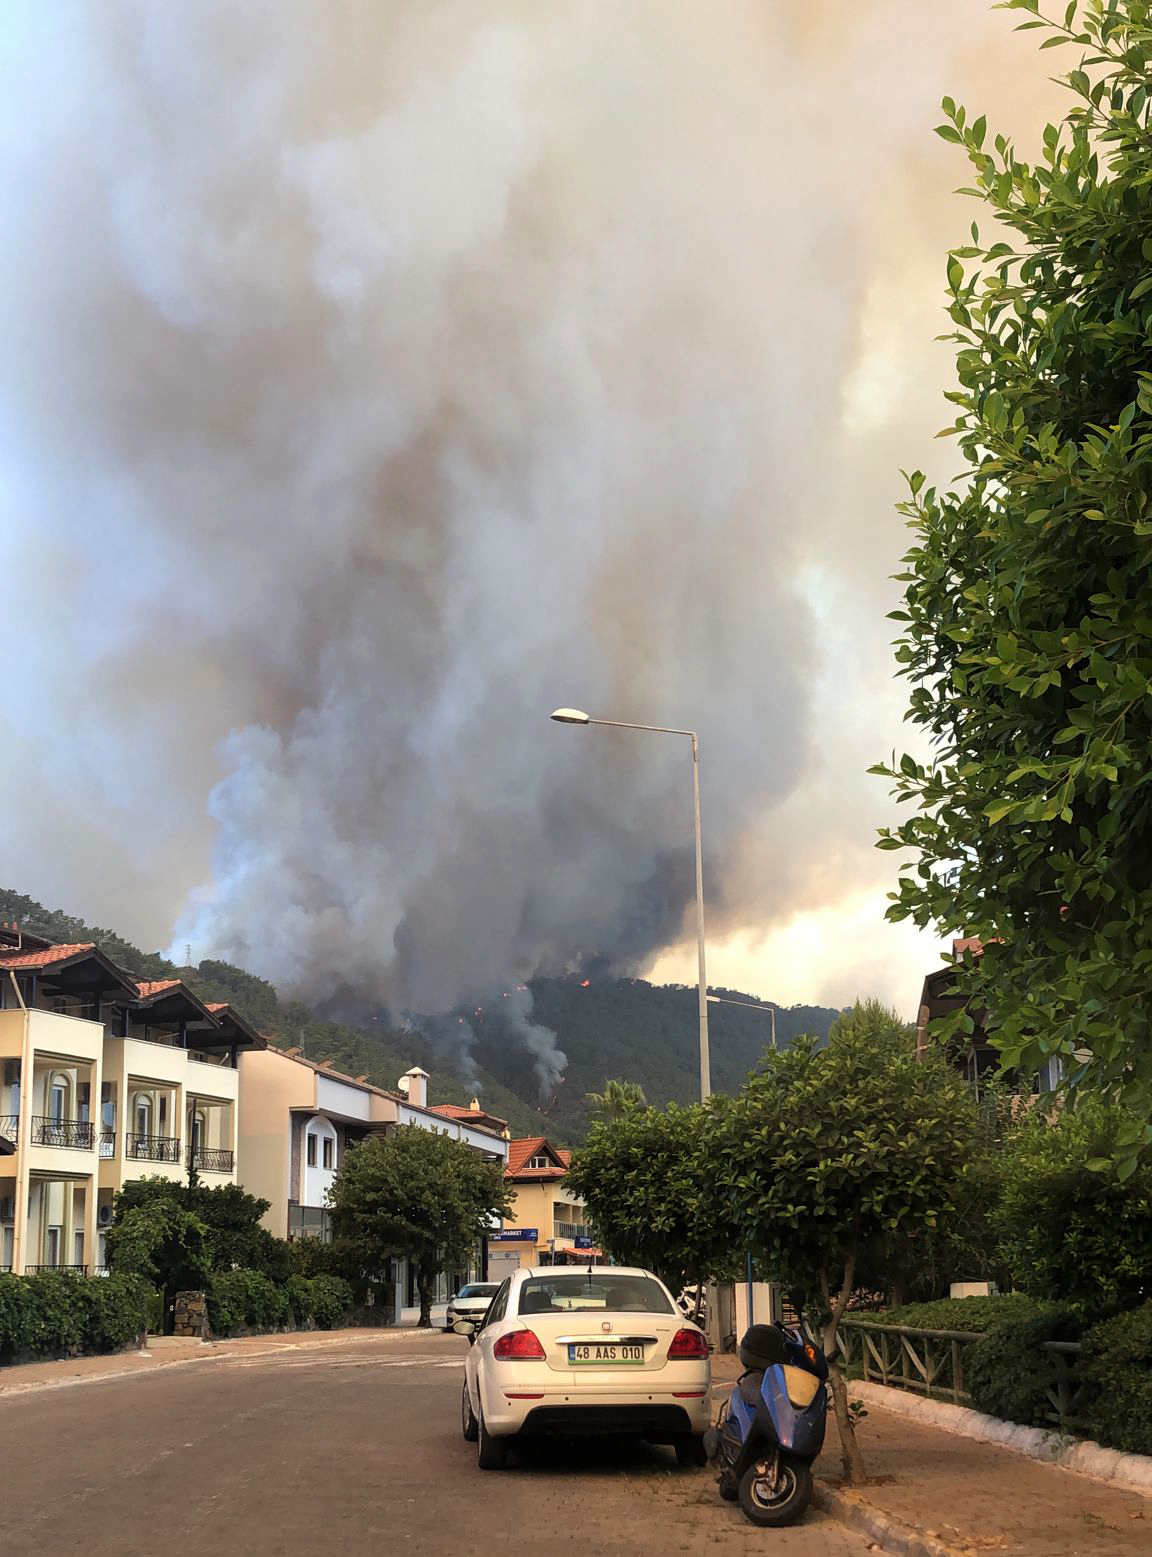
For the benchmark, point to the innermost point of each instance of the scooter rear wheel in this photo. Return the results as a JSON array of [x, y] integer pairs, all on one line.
[[782, 1505]]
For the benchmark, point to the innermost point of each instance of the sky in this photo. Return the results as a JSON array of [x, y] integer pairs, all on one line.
[[375, 379]]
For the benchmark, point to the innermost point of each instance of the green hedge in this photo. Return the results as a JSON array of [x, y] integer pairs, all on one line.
[[1009, 1373], [975, 1314], [240, 1300], [1116, 1365], [55, 1314]]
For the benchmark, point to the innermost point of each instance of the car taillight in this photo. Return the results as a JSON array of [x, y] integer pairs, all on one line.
[[687, 1343], [519, 1343]]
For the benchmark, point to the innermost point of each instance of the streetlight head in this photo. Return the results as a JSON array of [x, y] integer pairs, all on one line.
[[570, 716]]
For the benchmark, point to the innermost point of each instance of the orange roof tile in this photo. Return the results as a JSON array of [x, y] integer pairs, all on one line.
[[522, 1151], [150, 987], [44, 958], [461, 1112]]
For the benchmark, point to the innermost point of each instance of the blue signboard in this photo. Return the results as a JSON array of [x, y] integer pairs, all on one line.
[[517, 1234], [585, 1243]]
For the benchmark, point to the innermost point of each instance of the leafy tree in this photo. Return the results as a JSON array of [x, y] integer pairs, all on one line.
[[233, 1235], [831, 1153], [1027, 632], [618, 1097], [648, 1178], [420, 1195], [1071, 1230], [159, 1239]]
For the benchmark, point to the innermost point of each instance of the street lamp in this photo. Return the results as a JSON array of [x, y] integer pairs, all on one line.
[[577, 716], [753, 1005]]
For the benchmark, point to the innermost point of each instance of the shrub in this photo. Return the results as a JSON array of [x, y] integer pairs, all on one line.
[[246, 1300], [1116, 1364], [331, 1300], [1009, 1373], [975, 1314], [1072, 1231], [298, 1291], [52, 1313]]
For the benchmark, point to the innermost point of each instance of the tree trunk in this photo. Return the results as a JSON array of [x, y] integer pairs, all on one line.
[[425, 1280], [850, 1455]]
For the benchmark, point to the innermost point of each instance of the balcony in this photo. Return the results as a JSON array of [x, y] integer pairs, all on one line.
[[39, 1270], [9, 1124], [152, 1148], [78, 1134], [569, 1230], [107, 1143], [211, 1160]]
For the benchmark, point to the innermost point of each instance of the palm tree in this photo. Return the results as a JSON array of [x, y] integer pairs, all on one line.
[[618, 1097]]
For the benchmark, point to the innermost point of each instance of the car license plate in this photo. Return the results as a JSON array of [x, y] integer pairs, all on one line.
[[604, 1353]]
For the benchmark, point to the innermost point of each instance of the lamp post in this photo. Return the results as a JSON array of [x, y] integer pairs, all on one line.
[[577, 716], [753, 1005]]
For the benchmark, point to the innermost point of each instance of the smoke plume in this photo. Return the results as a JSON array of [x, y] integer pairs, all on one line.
[[379, 375]]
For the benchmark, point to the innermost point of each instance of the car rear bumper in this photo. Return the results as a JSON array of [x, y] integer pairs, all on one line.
[[552, 1408]]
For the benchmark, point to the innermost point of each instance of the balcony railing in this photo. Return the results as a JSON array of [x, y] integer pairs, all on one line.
[[9, 1124], [154, 1148], [569, 1230], [79, 1134], [38, 1270], [211, 1160], [107, 1143]]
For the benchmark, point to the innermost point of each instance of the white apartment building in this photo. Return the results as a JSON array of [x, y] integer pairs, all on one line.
[[103, 1080], [300, 1117]]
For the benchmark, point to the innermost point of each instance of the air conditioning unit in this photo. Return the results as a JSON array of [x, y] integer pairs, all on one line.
[[104, 1215], [7, 1208]]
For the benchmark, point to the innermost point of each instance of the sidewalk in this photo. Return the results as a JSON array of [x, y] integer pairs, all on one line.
[[167, 1352], [957, 1494]]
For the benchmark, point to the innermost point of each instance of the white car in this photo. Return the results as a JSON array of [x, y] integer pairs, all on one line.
[[471, 1302], [567, 1351]]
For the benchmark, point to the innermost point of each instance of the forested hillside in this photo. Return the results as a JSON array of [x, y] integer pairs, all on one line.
[[612, 1027]]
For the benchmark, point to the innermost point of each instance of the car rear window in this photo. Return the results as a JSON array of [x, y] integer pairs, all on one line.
[[477, 1290], [619, 1295]]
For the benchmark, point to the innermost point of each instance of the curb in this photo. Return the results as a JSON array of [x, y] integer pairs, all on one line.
[[890, 1534], [214, 1352], [1133, 1472]]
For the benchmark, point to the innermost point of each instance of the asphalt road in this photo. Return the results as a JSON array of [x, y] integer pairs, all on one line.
[[353, 1449]]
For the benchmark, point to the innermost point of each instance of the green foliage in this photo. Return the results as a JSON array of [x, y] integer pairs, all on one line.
[[1026, 629], [976, 1315], [247, 1300], [648, 1178], [1116, 1364], [417, 1194], [618, 1097], [1072, 1230], [330, 1299], [162, 1242], [230, 1217], [832, 1153], [55, 1314], [1009, 1373]]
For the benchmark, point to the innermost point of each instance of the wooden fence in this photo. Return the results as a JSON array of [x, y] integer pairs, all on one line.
[[932, 1362]]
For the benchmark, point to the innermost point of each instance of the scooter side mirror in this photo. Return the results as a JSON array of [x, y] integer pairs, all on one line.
[[466, 1327]]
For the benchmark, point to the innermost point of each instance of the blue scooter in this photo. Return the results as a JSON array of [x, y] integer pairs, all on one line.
[[773, 1427]]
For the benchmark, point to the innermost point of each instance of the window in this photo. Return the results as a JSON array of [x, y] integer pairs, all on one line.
[[329, 1151], [540, 1161], [617, 1295], [53, 1247], [143, 1115], [58, 1102], [499, 1304], [78, 1246], [311, 1149]]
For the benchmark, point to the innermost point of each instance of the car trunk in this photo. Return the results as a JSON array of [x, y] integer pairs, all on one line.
[[598, 1344]]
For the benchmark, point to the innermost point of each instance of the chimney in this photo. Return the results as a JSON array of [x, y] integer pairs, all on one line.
[[414, 1085]]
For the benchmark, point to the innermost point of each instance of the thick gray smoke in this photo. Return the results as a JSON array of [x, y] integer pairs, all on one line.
[[378, 376]]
